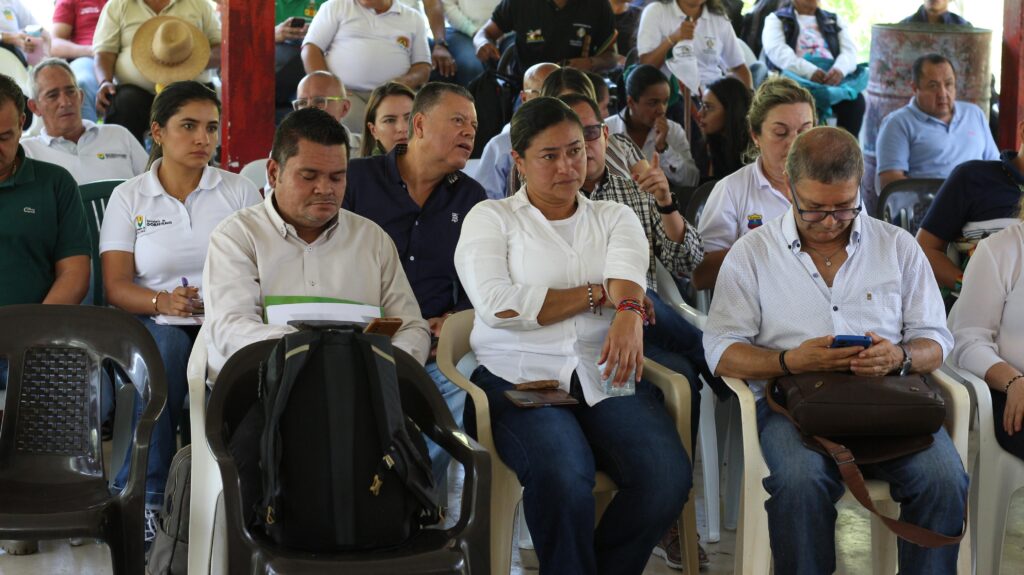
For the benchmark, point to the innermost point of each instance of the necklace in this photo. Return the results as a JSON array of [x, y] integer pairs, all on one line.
[[828, 258]]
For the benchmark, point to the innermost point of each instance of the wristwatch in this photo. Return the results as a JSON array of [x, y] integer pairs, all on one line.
[[908, 363]]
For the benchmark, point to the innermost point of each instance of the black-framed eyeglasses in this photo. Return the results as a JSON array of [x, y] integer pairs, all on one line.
[[812, 216], [317, 102], [593, 132]]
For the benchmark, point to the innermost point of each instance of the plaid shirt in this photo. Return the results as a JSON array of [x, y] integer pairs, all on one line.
[[679, 258]]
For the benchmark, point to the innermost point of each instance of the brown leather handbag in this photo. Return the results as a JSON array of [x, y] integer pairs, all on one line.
[[854, 419]]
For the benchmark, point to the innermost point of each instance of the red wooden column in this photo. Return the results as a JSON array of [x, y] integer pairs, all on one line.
[[247, 74], [1011, 93]]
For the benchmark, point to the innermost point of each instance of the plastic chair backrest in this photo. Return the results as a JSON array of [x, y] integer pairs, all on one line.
[[52, 421], [256, 172], [94, 199], [905, 202], [695, 207], [15, 69]]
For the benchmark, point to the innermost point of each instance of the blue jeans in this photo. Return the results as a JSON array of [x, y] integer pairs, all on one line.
[[462, 49], [175, 345], [455, 398], [555, 452], [804, 485], [85, 75]]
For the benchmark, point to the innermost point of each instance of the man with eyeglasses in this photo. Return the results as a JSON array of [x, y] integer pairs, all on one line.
[[324, 90], [670, 340], [784, 292]]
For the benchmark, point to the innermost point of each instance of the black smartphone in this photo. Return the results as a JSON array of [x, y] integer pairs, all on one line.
[[297, 22], [851, 340]]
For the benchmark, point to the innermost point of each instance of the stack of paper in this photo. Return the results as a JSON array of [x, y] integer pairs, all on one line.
[[279, 310]]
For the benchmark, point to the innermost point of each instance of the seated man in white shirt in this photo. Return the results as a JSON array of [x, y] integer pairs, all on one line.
[[368, 43], [89, 151], [784, 292], [324, 90], [299, 242]]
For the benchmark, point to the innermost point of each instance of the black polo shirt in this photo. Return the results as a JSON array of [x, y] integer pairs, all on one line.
[[425, 237], [545, 33]]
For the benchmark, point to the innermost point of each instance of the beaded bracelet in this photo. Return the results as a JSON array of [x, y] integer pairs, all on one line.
[[595, 307], [1009, 383]]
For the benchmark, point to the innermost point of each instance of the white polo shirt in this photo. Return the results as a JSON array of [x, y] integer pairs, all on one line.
[[367, 49], [740, 203], [120, 19], [106, 152], [14, 16], [714, 39], [169, 238]]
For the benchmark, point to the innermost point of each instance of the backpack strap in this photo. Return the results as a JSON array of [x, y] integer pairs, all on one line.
[[400, 454], [854, 480]]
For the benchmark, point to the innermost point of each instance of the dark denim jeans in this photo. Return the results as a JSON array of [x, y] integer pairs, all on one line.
[[175, 345], [804, 485], [555, 452]]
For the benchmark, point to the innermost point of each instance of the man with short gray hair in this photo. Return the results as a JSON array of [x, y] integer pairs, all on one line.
[[785, 291], [89, 151], [419, 195]]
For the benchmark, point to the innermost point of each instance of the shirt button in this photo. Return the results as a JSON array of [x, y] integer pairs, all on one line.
[[412, 258], [814, 275], [308, 249], [416, 223], [835, 308], [312, 284]]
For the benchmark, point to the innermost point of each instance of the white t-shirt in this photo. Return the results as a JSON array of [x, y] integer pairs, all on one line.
[[106, 152], [740, 203], [714, 39], [169, 238], [367, 49], [810, 41]]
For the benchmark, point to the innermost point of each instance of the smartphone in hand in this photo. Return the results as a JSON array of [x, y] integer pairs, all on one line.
[[851, 341], [297, 22]]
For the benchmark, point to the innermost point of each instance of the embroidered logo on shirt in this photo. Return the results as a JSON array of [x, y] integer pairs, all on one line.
[[869, 296], [111, 156], [140, 223], [9, 14], [455, 218], [709, 45], [754, 221], [29, 210], [403, 41], [533, 36]]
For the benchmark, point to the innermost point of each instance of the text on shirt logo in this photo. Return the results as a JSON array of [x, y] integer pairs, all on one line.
[[455, 218], [111, 155], [29, 210]]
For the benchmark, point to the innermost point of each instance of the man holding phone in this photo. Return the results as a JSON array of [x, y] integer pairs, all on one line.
[[787, 295], [292, 18]]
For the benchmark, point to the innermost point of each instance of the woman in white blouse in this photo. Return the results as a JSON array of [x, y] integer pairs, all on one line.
[[537, 266], [153, 247], [756, 193], [987, 322]]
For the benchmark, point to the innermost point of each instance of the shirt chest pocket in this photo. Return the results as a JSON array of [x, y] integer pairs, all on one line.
[[875, 309]]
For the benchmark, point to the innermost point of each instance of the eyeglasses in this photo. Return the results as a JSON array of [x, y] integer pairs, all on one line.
[[812, 216], [591, 133], [317, 102]]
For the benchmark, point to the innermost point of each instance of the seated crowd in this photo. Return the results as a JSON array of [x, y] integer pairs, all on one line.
[[554, 237]]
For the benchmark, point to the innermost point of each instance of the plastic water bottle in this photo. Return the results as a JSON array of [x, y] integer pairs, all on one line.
[[628, 388]]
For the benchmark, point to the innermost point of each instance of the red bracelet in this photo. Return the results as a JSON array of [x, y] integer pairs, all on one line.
[[630, 304]]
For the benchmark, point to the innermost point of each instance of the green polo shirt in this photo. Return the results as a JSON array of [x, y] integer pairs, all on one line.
[[41, 221], [285, 9]]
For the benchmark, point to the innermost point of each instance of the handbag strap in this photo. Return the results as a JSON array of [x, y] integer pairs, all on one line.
[[854, 480]]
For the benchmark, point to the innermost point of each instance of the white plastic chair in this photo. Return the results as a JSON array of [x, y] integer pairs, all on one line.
[[12, 67], [256, 172], [997, 475], [207, 551], [753, 552]]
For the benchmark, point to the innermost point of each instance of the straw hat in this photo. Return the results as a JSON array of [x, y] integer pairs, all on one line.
[[168, 49]]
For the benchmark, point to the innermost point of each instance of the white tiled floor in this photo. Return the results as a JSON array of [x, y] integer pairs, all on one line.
[[853, 536]]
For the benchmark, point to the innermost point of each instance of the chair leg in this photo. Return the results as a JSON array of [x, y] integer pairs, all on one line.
[[884, 554], [124, 537], [993, 503], [709, 459], [732, 465]]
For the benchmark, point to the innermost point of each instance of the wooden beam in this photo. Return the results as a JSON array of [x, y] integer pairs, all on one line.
[[1011, 93], [247, 76]]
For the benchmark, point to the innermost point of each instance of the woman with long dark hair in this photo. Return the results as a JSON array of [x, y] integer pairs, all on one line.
[[723, 124]]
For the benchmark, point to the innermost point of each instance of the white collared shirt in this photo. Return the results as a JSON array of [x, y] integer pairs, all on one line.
[[509, 255], [988, 318], [367, 49], [676, 161], [714, 39], [255, 253], [770, 294], [782, 55], [739, 203], [169, 238], [106, 152]]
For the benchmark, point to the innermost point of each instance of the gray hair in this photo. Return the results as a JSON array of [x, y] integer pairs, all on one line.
[[49, 63], [430, 96], [825, 154]]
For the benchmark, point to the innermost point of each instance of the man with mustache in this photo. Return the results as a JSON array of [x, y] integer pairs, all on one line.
[[88, 150], [419, 195], [299, 243]]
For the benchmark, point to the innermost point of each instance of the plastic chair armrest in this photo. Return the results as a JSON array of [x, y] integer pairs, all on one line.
[[676, 390]]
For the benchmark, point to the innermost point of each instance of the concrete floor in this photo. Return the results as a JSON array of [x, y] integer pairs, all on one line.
[[853, 537]]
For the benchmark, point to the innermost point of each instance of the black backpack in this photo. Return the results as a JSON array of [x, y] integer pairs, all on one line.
[[494, 96], [342, 467], [169, 553]]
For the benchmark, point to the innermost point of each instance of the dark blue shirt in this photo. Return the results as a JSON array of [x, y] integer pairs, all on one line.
[[978, 199], [425, 237], [949, 18]]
